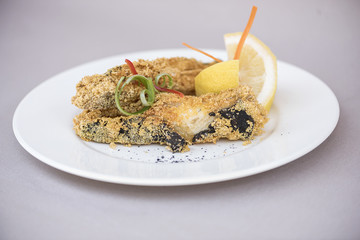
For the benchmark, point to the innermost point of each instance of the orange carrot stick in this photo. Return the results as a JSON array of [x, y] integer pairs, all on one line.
[[245, 33], [187, 45]]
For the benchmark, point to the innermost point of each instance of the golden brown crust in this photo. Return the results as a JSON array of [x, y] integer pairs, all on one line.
[[190, 114], [106, 127], [97, 91], [174, 121], [177, 122]]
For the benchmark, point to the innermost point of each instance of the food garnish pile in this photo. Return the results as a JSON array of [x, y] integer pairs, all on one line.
[[180, 101]]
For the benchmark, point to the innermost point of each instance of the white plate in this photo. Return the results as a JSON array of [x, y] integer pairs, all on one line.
[[304, 113]]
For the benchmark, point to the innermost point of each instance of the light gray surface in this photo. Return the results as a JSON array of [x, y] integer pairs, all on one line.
[[315, 197]]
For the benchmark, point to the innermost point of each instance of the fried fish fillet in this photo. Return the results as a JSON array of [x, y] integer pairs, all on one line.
[[192, 115], [178, 122], [97, 91], [99, 126]]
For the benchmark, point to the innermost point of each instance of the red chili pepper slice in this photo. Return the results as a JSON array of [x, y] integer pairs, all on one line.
[[131, 66], [169, 90]]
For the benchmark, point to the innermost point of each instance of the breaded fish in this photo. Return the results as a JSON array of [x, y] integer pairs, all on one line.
[[99, 126], [97, 91], [178, 122]]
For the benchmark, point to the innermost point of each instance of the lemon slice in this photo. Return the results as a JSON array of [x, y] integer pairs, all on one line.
[[217, 77], [258, 67]]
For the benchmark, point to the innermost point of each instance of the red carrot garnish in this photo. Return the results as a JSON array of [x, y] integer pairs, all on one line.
[[187, 45], [245, 33]]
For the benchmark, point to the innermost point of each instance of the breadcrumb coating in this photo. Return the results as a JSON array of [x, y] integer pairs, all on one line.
[[190, 114], [174, 121], [178, 122], [97, 91], [104, 127]]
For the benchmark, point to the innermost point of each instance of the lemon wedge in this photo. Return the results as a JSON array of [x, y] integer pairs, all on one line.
[[257, 68], [217, 77]]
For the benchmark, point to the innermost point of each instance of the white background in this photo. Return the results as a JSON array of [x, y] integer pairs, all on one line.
[[314, 197]]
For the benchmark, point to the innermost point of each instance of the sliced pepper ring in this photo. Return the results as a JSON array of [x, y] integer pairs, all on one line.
[[149, 91]]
